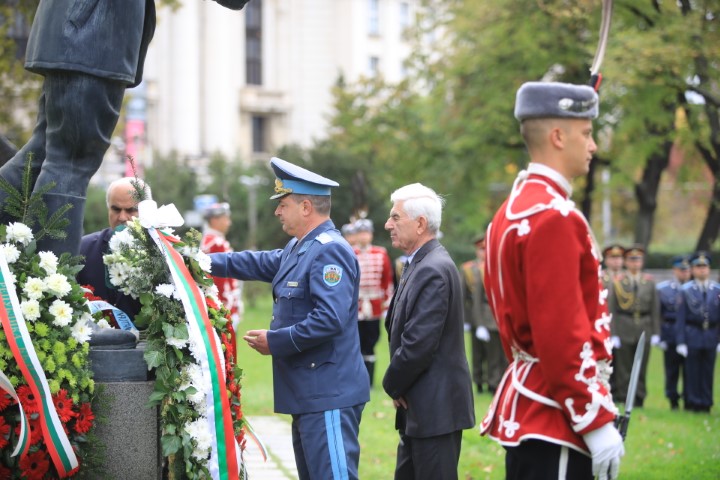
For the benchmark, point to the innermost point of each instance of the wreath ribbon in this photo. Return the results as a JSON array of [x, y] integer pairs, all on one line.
[[225, 457], [18, 337]]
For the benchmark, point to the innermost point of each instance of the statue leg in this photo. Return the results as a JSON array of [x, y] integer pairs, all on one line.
[[82, 112]]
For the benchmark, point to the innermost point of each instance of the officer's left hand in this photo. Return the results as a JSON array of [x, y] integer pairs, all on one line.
[[655, 340], [400, 402], [717, 349], [257, 340]]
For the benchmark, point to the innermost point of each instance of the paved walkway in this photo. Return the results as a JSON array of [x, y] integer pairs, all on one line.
[[274, 431]]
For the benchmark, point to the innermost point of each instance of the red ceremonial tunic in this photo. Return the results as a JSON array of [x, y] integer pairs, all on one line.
[[542, 278], [376, 282], [228, 288]]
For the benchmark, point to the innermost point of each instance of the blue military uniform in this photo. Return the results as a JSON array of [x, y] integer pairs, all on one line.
[[697, 327], [318, 373], [670, 295]]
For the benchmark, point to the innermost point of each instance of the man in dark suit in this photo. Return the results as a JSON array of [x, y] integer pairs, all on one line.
[[122, 206], [428, 377], [89, 52]]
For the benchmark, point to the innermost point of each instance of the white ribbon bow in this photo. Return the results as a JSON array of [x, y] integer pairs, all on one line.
[[153, 217]]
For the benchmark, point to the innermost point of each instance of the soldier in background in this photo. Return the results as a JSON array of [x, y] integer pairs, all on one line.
[[376, 289], [348, 233], [488, 358], [613, 258], [217, 224], [670, 295], [698, 337], [636, 309]]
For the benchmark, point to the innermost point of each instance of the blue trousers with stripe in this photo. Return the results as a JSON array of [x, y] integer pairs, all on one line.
[[326, 444]]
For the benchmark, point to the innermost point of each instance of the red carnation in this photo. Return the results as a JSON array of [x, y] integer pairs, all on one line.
[[5, 401], [28, 400], [211, 303], [85, 418], [64, 406], [4, 433], [35, 465]]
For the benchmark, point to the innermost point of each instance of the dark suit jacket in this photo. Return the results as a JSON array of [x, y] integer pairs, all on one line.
[[428, 366], [93, 246]]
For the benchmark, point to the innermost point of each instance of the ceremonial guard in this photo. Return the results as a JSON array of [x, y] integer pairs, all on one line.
[[698, 323], [376, 288], [635, 309], [217, 219], [670, 295], [553, 411], [613, 258], [488, 357]]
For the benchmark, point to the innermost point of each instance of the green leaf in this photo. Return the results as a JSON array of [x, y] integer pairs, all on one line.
[[170, 444], [153, 358]]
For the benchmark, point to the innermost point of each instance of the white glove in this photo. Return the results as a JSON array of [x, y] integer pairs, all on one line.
[[482, 334], [606, 448], [655, 340], [717, 349], [615, 341], [466, 327], [682, 350], [663, 346]]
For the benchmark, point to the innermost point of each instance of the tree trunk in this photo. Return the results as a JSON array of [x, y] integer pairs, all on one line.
[[712, 221], [646, 193]]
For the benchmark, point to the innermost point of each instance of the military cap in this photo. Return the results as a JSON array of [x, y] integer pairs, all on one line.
[[347, 229], [363, 225], [614, 250], [555, 100], [700, 259], [216, 210], [635, 251], [681, 261], [293, 179]]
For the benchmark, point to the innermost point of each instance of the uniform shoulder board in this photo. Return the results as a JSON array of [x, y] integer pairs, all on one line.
[[324, 238]]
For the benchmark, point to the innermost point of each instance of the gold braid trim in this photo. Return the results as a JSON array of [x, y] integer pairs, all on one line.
[[625, 300]]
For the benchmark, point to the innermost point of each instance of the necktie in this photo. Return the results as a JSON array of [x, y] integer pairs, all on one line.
[[404, 270]]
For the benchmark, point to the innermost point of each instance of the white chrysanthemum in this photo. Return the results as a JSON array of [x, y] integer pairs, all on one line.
[[176, 342], [166, 290], [81, 331], [204, 261], [58, 284], [62, 313], [118, 273], [19, 233], [123, 237], [199, 431], [34, 288], [194, 349], [212, 292], [48, 262], [102, 323], [30, 310], [11, 252]]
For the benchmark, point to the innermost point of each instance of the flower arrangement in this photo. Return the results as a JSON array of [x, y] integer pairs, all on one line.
[[57, 319], [184, 384]]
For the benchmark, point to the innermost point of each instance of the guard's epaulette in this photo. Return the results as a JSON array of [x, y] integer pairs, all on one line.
[[324, 238]]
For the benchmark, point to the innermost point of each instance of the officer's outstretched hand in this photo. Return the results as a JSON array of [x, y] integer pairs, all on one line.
[[682, 350], [606, 448], [257, 340]]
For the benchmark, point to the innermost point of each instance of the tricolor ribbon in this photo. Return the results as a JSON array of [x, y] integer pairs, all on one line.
[[225, 456], [24, 437], [18, 337]]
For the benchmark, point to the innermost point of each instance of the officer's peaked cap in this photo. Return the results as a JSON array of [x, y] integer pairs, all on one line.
[[293, 179]]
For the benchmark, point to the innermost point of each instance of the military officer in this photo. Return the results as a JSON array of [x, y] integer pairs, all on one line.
[[670, 295], [488, 357], [613, 258], [697, 326], [636, 309], [318, 373]]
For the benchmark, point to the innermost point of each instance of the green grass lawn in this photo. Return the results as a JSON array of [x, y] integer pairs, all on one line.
[[661, 444]]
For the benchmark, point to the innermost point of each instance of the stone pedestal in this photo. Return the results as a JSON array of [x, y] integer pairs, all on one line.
[[130, 432]]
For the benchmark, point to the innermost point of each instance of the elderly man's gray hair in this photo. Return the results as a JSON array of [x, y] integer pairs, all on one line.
[[130, 183], [421, 201]]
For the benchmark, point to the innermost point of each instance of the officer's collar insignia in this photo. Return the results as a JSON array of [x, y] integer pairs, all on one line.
[[280, 189]]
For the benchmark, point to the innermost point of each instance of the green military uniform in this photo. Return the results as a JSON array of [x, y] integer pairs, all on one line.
[[635, 308]]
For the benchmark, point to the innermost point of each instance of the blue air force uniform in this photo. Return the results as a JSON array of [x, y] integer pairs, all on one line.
[[670, 295], [697, 327], [318, 373]]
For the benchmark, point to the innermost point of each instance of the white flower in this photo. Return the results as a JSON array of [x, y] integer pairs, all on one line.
[[199, 431], [34, 288], [123, 237], [48, 261], [19, 233], [102, 323], [11, 252], [30, 309], [81, 331], [165, 289], [118, 273], [212, 292], [176, 342], [204, 261], [58, 284], [62, 313]]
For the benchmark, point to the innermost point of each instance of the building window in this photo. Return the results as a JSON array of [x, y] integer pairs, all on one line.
[[258, 134], [374, 66], [374, 17], [253, 42]]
